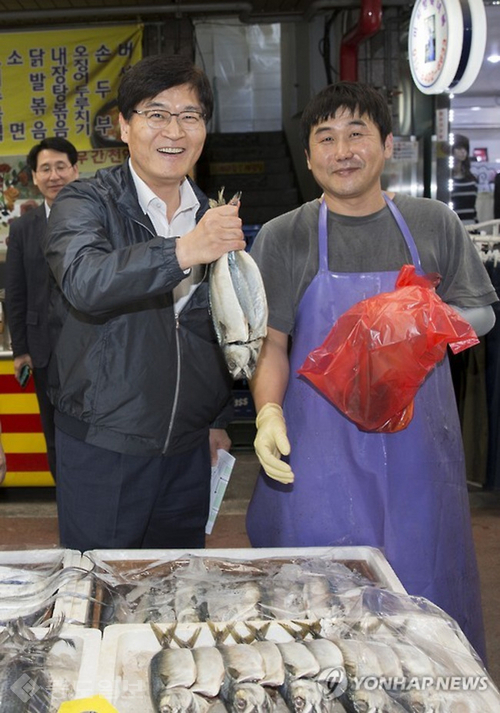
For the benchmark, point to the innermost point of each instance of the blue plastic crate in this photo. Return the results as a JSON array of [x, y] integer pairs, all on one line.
[[244, 408]]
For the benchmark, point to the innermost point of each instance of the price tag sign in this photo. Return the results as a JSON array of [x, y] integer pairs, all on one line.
[[95, 704]]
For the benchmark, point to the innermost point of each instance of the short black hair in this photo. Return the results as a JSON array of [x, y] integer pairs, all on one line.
[[356, 97], [152, 75], [52, 143]]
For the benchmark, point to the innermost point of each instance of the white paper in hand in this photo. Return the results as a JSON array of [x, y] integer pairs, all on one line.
[[220, 478]]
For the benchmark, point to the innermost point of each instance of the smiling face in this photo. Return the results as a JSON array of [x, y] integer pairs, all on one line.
[[163, 157], [347, 156], [53, 172]]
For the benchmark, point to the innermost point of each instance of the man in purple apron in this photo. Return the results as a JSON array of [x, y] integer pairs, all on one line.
[[404, 492]]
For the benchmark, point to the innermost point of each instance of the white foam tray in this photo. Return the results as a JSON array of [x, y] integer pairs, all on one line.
[[127, 649], [73, 671]]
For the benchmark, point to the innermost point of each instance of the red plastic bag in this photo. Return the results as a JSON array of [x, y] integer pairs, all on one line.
[[379, 352]]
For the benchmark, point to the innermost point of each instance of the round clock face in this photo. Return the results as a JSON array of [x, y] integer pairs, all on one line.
[[474, 45], [435, 43]]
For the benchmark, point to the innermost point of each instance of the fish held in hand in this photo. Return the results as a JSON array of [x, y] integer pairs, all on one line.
[[239, 307]]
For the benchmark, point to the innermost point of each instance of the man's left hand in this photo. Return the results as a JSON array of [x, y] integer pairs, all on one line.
[[218, 439]]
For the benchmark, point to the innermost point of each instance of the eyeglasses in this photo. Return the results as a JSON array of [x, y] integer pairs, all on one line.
[[161, 118], [60, 168]]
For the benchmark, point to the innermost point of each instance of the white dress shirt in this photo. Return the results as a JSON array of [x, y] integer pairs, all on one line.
[[182, 222]]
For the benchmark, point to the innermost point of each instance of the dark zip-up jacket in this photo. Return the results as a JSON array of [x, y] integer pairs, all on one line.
[[126, 375]]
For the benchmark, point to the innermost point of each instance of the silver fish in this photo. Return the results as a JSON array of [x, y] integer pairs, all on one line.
[[306, 695], [377, 701], [238, 305], [359, 660], [209, 671], [25, 682], [387, 658], [190, 602], [326, 652], [171, 668], [26, 600], [181, 700], [318, 598], [234, 602], [298, 660], [246, 697], [243, 662], [273, 663]]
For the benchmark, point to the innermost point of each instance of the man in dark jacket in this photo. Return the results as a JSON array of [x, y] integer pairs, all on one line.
[[138, 379], [53, 163]]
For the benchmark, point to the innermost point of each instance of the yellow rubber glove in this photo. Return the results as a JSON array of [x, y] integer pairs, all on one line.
[[271, 442]]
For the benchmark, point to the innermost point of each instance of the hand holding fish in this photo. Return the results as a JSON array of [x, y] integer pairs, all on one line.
[[238, 304], [218, 232]]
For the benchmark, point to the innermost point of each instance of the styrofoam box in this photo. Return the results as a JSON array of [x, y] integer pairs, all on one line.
[[50, 557], [430, 649], [127, 650], [73, 669], [373, 559], [51, 560]]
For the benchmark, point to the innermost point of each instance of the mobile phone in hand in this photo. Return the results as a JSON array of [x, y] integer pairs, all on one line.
[[24, 375]]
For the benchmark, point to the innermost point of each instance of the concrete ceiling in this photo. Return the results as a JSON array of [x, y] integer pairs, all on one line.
[[33, 14], [26, 13]]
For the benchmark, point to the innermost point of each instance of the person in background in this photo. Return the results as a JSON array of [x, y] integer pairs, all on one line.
[[141, 390], [402, 492], [464, 188], [467, 367], [53, 163], [496, 197]]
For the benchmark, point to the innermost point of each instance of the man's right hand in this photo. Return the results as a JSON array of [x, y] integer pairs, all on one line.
[[19, 362], [271, 442], [218, 232]]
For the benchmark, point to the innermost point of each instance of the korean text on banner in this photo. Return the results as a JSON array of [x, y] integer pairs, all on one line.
[[63, 83]]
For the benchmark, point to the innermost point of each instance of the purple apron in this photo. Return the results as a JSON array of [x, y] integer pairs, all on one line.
[[404, 493]]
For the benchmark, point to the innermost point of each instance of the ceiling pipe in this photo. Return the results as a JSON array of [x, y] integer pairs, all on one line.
[[323, 6], [369, 22], [99, 12]]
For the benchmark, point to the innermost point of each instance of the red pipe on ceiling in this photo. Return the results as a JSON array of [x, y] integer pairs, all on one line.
[[369, 22]]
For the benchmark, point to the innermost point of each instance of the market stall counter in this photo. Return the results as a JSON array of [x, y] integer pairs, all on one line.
[[305, 629]]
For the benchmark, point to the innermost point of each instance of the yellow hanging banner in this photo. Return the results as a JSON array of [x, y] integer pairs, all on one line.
[[64, 83]]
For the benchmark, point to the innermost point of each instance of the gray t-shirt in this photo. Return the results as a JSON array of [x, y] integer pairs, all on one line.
[[286, 251]]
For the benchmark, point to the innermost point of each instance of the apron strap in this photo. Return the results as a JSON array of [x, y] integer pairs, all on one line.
[[405, 231], [323, 236], [396, 213]]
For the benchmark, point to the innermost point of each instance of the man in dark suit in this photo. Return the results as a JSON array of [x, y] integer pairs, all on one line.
[[53, 163]]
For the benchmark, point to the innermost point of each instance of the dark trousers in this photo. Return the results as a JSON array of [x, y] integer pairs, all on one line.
[[108, 500], [46, 416]]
